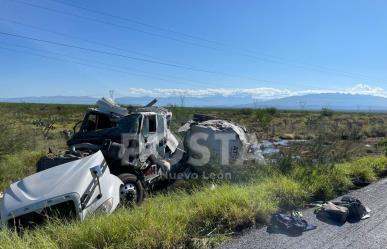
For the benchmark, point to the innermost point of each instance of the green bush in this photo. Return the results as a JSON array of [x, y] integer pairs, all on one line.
[[325, 112], [366, 169], [17, 166], [287, 193], [322, 182]]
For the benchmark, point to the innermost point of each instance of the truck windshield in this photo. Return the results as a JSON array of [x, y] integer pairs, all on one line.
[[130, 123]]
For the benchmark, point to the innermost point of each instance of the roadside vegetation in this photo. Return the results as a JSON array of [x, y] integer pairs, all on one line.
[[205, 213]]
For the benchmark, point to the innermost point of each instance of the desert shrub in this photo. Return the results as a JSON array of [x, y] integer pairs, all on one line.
[[378, 131], [284, 162], [16, 166], [264, 119], [359, 173], [246, 111], [14, 137], [322, 181], [326, 112], [366, 169], [378, 164], [383, 144], [285, 191]]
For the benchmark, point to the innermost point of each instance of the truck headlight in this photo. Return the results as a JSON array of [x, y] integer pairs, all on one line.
[[106, 206]]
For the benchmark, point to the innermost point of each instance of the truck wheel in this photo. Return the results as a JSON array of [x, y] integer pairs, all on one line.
[[132, 192]]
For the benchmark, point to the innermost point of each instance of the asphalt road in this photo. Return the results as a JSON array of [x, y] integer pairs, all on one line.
[[369, 233]]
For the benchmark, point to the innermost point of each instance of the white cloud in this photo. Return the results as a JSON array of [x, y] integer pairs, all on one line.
[[368, 90], [263, 93]]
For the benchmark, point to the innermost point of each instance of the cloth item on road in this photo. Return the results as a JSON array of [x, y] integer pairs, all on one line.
[[332, 211], [356, 209], [290, 224]]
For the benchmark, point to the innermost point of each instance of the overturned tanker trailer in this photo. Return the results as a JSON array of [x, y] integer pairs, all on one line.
[[211, 143]]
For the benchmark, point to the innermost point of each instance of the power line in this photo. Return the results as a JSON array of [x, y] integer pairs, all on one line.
[[82, 39], [136, 22], [123, 55], [137, 72], [105, 52], [113, 24], [127, 50], [104, 66], [98, 43], [248, 53], [144, 73]]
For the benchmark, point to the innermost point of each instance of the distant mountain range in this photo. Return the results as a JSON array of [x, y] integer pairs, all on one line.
[[335, 101], [52, 100]]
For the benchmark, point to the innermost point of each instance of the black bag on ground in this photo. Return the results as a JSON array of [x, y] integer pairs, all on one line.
[[288, 223], [356, 209]]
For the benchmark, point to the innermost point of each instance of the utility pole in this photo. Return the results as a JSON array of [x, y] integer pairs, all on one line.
[[111, 94], [302, 105], [182, 99]]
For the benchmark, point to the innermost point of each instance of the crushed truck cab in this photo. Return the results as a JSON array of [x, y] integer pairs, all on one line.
[[136, 143], [72, 190], [145, 130]]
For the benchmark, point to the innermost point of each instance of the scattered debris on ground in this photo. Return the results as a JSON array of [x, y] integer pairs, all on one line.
[[331, 212], [349, 208]]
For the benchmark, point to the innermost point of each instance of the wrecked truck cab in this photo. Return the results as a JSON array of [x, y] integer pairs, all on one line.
[[135, 141], [75, 189], [98, 126], [144, 133], [148, 126]]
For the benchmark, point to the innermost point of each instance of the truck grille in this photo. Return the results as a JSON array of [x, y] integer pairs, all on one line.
[[64, 210]]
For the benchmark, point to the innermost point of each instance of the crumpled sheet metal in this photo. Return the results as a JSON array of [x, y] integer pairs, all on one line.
[[237, 147], [218, 125]]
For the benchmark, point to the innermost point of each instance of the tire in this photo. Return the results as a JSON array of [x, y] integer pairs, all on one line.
[[130, 181]]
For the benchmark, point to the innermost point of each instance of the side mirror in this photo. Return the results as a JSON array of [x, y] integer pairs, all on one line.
[[96, 172]]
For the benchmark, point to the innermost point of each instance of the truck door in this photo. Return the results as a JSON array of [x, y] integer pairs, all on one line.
[[149, 136]]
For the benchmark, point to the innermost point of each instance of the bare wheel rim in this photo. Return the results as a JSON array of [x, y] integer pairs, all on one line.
[[128, 193]]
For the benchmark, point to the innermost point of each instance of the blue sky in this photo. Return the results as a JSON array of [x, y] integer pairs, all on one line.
[[258, 47]]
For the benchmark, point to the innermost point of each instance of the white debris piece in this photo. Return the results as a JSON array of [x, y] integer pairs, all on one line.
[[107, 105]]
